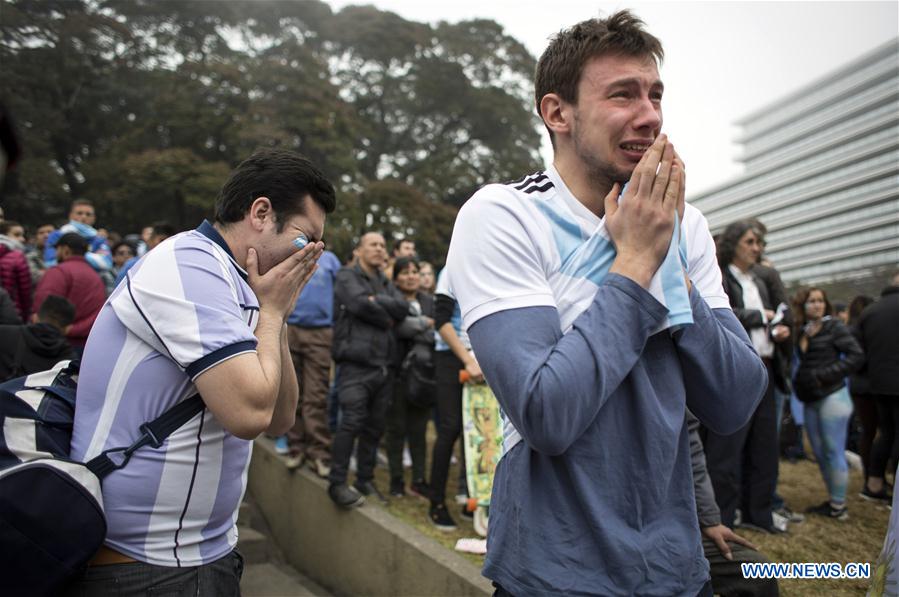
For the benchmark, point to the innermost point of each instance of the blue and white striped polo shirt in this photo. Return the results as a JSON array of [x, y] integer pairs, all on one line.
[[184, 307]]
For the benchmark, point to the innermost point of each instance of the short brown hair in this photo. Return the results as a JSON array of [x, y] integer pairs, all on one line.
[[561, 64]]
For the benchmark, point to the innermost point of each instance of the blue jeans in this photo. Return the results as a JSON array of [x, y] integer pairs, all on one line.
[[826, 424], [220, 578]]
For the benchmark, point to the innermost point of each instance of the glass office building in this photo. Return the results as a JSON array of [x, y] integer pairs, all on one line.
[[822, 173]]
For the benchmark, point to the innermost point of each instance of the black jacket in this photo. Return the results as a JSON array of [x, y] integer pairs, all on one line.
[[363, 326], [41, 346], [772, 292], [821, 369], [878, 331], [8, 313], [415, 334]]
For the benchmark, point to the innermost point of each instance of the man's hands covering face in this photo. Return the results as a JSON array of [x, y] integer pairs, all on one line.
[[642, 224], [278, 290]]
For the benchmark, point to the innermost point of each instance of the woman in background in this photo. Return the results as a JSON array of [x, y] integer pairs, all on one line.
[[413, 390], [827, 354]]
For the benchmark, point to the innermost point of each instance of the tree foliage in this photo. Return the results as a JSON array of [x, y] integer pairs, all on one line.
[[144, 107]]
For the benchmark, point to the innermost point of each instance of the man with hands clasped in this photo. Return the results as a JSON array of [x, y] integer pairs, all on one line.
[[203, 312], [597, 317]]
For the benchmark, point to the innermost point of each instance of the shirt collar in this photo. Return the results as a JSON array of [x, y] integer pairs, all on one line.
[[588, 219], [209, 231]]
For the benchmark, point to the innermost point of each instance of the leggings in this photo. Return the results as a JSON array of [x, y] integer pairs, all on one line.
[[826, 422]]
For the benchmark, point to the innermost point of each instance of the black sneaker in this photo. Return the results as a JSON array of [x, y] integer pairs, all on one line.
[[826, 509], [397, 488], [344, 496], [369, 489], [440, 517], [420, 489], [882, 496]]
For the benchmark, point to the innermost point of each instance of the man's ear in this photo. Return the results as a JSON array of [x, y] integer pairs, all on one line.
[[261, 212], [556, 113], [65, 330]]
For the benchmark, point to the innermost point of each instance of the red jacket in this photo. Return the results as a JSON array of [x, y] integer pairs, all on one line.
[[75, 280], [15, 277]]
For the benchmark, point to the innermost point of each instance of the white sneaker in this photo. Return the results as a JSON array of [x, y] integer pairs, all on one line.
[[780, 522], [407, 457], [854, 460]]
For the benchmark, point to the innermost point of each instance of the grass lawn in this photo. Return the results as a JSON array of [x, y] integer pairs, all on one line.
[[858, 539]]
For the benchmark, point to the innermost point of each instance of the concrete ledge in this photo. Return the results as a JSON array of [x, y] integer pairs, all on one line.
[[365, 551]]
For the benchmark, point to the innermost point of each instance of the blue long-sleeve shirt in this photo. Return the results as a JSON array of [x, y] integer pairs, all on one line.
[[598, 497]]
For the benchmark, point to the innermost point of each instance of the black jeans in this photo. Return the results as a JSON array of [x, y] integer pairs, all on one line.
[[220, 578], [406, 421], [886, 446], [743, 465], [449, 416], [364, 395]]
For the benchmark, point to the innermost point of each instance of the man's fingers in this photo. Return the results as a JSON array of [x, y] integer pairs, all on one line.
[[611, 200], [742, 541], [649, 164], [252, 262], [661, 183], [672, 190], [723, 547]]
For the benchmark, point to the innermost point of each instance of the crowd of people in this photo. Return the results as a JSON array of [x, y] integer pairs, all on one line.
[[643, 367], [72, 263]]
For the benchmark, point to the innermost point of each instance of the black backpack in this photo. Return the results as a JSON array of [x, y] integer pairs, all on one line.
[[51, 507]]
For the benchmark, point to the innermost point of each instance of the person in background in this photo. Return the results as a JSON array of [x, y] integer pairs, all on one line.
[[15, 275], [367, 307], [36, 254], [877, 327], [310, 337], [841, 312], [404, 247], [8, 313], [413, 388], [37, 346], [452, 354], [428, 278], [122, 252], [743, 465], [161, 231], [724, 549], [827, 355], [81, 220], [144, 240], [76, 281], [782, 357], [863, 402]]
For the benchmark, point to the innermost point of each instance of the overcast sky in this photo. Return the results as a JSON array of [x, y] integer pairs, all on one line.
[[723, 60]]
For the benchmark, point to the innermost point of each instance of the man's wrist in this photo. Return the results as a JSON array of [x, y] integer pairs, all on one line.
[[634, 269]]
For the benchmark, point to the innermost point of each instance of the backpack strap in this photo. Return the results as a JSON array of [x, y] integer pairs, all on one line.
[[153, 434]]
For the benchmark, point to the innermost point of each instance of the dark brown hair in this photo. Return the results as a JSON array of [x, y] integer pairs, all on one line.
[[562, 63], [799, 301]]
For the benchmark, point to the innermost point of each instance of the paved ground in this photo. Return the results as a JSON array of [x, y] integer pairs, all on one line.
[[271, 579]]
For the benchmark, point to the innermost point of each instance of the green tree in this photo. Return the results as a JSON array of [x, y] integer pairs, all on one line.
[[144, 106]]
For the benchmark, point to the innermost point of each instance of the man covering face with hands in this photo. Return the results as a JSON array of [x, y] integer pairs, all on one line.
[[203, 312]]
